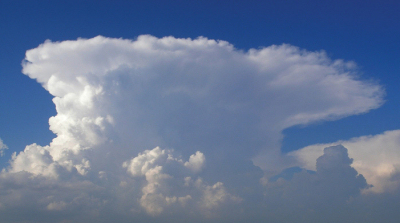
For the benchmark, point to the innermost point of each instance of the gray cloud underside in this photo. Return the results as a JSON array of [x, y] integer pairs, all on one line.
[[181, 129]]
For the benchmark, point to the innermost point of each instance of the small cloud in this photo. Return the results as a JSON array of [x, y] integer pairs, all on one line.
[[196, 162], [2, 148], [57, 206]]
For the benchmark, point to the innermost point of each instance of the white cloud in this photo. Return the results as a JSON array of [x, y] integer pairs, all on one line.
[[162, 189], [145, 162], [185, 93], [2, 148], [376, 157], [196, 162], [115, 98], [149, 164], [36, 160]]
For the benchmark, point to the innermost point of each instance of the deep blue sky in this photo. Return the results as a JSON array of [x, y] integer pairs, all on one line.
[[366, 32]]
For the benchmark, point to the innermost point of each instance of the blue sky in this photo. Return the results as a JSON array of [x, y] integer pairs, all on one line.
[[365, 33]]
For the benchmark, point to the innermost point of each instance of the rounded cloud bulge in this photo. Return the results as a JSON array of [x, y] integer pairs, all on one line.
[[154, 126]]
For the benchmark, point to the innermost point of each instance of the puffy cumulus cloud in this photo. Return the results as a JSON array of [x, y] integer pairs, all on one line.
[[376, 157], [196, 162], [38, 160], [34, 159], [169, 181], [2, 147], [116, 99]]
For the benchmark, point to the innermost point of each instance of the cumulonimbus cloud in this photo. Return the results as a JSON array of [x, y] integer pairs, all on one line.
[[124, 105], [184, 93]]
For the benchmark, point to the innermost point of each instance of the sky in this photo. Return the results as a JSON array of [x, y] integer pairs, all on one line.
[[208, 111]]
